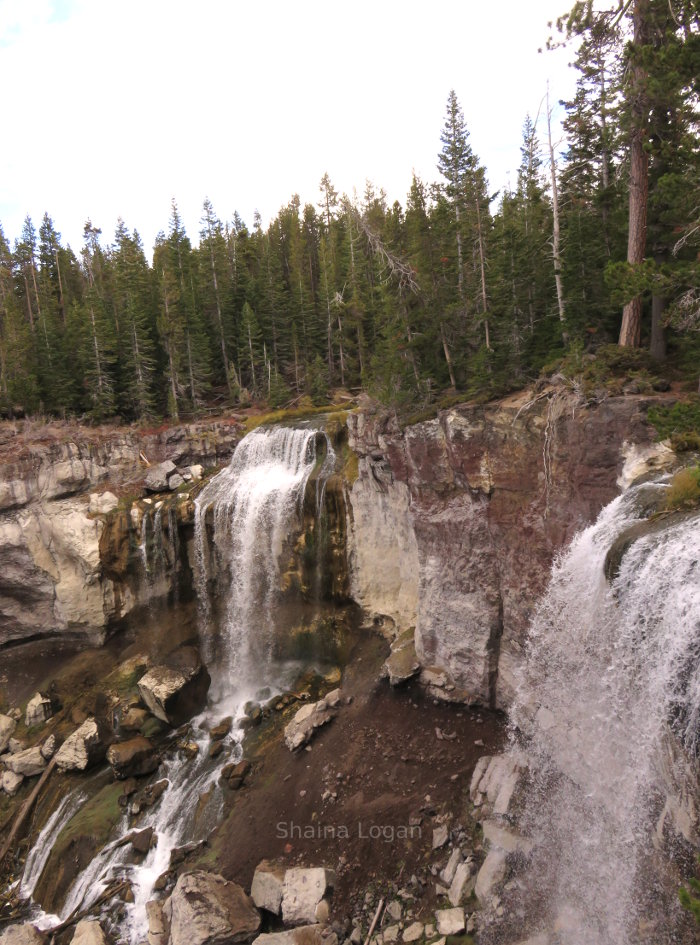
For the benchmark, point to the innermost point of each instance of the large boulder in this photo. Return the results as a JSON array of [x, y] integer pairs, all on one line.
[[205, 909], [304, 890], [11, 782], [174, 692], [309, 718], [268, 886], [157, 476], [38, 710], [27, 763], [88, 932], [24, 934], [302, 935], [86, 747], [7, 727], [132, 758]]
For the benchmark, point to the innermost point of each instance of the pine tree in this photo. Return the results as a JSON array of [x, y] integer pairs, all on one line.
[[135, 305]]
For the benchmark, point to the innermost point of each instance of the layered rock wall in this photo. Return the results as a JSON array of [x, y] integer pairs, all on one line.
[[62, 568], [456, 520]]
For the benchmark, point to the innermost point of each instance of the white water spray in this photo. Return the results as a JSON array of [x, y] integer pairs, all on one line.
[[612, 675]]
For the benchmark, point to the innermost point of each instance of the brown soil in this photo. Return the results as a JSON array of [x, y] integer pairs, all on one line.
[[382, 758]]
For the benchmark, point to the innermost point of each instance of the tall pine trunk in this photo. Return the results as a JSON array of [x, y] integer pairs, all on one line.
[[631, 328]]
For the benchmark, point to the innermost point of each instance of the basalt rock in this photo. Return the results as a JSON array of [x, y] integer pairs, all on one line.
[[456, 520], [133, 758]]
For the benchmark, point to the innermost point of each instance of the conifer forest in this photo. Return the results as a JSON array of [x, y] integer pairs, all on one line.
[[470, 286]]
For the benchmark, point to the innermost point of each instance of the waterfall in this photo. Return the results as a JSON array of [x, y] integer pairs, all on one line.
[[253, 502], [255, 506], [612, 677], [39, 853]]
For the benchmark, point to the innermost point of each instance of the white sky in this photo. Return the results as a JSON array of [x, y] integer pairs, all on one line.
[[111, 108]]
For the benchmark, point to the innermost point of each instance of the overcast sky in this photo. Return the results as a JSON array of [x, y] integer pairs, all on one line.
[[111, 108]]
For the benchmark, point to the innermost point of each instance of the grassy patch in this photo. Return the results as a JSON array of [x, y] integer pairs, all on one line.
[[296, 413], [684, 491]]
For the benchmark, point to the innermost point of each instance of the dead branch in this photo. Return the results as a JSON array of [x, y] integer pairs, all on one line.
[[397, 268]]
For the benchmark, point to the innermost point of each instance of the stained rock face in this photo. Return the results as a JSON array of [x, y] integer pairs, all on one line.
[[205, 909], [175, 691], [456, 520], [83, 749]]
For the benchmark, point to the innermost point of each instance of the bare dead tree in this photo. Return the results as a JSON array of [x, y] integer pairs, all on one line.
[[393, 266]]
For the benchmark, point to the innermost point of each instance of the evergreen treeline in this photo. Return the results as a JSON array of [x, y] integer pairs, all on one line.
[[460, 288]]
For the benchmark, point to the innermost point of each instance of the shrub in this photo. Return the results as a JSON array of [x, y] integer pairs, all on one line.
[[680, 423]]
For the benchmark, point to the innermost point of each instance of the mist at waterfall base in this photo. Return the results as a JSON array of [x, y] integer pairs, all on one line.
[[606, 717], [243, 518]]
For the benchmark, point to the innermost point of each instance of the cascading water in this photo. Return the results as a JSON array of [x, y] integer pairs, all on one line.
[[253, 502], [256, 505], [612, 678]]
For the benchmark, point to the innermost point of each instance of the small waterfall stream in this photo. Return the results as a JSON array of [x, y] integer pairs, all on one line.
[[255, 506], [612, 676]]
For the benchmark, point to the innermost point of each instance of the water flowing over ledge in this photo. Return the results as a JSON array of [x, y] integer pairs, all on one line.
[[609, 692]]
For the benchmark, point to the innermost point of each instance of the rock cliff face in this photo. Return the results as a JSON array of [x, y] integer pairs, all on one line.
[[60, 567], [456, 520]]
